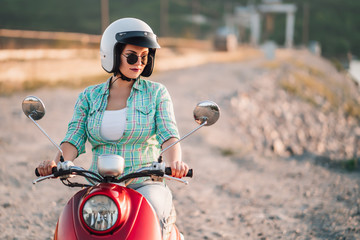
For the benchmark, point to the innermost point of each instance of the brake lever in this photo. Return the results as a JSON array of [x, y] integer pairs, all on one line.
[[176, 179], [40, 179], [54, 170]]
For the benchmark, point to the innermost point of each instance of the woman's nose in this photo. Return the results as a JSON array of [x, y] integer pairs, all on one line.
[[138, 62]]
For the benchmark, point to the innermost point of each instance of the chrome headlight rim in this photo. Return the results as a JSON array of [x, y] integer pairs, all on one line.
[[94, 230]]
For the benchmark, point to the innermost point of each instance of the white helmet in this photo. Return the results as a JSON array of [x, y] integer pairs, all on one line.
[[126, 31]]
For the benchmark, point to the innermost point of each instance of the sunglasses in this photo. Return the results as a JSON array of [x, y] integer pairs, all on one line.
[[132, 58]]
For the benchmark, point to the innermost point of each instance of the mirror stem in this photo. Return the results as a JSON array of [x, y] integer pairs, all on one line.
[[61, 157], [203, 124]]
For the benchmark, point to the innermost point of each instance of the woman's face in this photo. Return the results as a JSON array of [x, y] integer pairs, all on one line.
[[133, 70]]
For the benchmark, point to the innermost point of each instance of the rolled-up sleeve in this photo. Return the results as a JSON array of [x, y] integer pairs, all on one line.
[[166, 127], [76, 133]]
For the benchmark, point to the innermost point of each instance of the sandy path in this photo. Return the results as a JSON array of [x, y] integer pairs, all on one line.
[[235, 197]]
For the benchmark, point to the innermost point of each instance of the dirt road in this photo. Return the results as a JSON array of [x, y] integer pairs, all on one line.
[[232, 196]]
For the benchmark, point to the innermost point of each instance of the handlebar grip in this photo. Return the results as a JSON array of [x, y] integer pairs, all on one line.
[[54, 169], [168, 172]]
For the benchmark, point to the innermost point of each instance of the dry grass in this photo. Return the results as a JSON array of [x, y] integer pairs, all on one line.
[[310, 89], [318, 87], [32, 84], [34, 68]]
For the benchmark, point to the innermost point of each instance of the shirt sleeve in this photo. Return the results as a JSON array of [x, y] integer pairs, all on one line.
[[76, 133], [166, 127]]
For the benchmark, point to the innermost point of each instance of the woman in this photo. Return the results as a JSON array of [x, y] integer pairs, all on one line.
[[127, 115]]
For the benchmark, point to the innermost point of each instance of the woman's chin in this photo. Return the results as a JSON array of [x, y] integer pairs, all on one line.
[[133, 75]]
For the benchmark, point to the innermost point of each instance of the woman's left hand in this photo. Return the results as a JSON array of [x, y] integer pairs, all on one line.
[[179, 169]]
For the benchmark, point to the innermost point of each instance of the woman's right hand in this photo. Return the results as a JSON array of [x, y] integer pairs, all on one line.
[[69, 153], [45, 168]]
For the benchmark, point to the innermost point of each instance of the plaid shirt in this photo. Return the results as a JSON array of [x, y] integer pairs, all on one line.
[[150, 121]]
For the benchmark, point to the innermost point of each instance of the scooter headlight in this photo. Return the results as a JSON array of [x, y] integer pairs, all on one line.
[[100, 213]]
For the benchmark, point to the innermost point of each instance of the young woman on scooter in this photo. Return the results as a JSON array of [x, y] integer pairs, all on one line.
[[127, 115]]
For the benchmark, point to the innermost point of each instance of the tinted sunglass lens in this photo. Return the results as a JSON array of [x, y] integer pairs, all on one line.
[[132, 59]]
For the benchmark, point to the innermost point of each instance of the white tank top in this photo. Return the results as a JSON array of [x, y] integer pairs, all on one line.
[[113, 124]]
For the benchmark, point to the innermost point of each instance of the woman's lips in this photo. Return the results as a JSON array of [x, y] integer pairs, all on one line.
[[135, 69]]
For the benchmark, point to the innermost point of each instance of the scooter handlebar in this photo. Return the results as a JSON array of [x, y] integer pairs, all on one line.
[[168, 172], [53, 170]]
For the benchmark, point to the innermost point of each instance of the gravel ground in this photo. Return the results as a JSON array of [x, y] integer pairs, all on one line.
[[240, 195]]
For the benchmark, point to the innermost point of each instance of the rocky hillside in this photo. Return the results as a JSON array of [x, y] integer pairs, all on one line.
[[299, 105]]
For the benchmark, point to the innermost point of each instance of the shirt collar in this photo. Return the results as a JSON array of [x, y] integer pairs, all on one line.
[[138, 85], [105, 87]]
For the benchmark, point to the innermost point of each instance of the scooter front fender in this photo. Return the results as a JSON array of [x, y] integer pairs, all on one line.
[[140, 223]]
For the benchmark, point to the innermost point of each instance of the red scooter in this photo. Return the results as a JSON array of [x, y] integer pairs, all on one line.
[[105, 208]]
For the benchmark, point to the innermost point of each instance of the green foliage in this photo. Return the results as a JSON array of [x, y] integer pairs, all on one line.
[[333, 23], [70, 16], [227, 152], [85, 15], [350, 164]]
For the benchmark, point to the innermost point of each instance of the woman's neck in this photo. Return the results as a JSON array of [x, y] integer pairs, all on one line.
[[117, 82], [119, 93]]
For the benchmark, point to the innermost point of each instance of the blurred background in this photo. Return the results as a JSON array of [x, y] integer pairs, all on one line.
[[332, 24], [325, 27]]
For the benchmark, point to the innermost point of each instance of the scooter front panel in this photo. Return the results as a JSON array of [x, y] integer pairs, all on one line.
[[139, 220], [146, 225], [65, 228]]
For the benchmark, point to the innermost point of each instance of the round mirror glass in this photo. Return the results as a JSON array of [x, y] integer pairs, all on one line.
[[206, 111], [33, 107]]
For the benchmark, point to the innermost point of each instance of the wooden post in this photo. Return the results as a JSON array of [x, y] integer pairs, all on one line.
[[305, 28], [164, 18], [104, 15]]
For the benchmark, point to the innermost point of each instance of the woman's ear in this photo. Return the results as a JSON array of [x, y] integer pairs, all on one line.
[[118, 49], [150, 64]]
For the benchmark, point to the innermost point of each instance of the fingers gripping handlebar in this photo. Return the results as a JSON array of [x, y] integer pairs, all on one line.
[[62, 165], [168, 172], [53, 170]]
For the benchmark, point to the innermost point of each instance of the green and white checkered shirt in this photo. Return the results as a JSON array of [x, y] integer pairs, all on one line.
[[150, 121]]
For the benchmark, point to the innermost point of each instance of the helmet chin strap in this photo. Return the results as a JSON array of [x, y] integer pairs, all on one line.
[[125, 78]]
